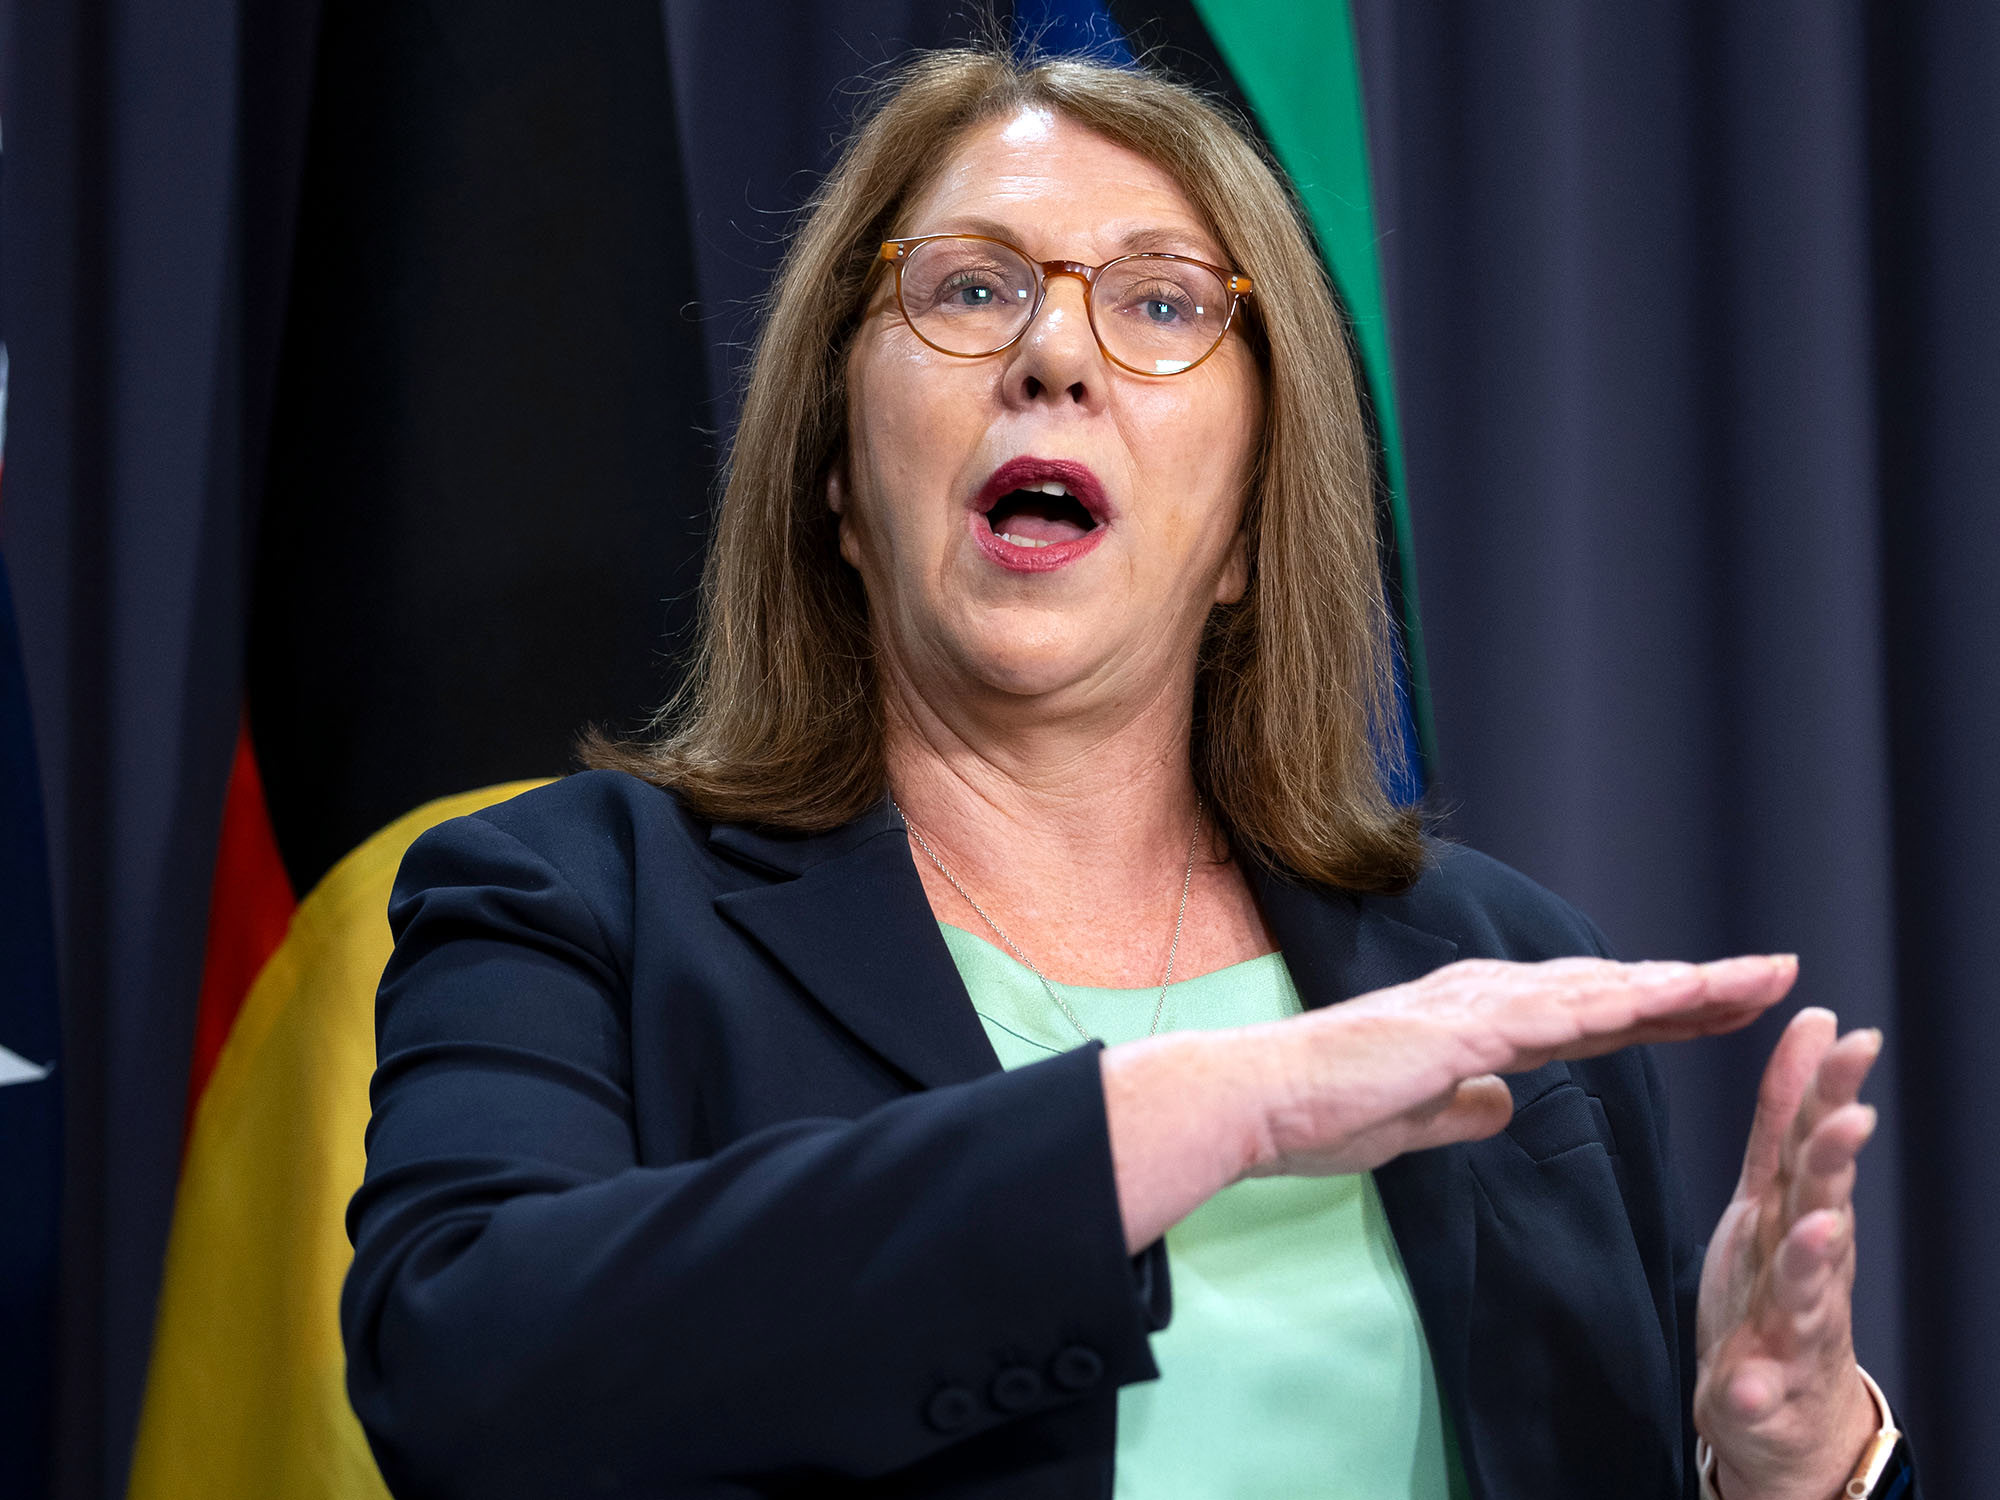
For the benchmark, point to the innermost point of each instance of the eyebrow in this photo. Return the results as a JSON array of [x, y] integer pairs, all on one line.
[[1137, 240]]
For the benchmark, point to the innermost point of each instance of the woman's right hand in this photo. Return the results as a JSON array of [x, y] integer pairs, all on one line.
[[1347, 1088]]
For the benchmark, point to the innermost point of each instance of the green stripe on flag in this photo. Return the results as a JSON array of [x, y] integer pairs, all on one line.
[[1296, 65]]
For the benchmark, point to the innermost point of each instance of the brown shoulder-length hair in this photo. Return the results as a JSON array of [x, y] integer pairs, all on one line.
[[779, 721]]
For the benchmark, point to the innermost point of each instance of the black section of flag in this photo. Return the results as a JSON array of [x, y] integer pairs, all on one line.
[[488, 492], [1170, 34], [764, 112]]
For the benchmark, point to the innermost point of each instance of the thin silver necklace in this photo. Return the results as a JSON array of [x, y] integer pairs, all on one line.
[[1166, 980]]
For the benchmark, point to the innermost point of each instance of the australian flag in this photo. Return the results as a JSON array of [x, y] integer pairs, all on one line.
[[30, 1090]]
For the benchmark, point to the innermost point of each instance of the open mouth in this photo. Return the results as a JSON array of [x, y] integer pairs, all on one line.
[[1034, 515], [1040, 513]]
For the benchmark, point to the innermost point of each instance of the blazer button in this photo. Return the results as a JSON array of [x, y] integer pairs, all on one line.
[[1015, 1388], [1077, 1368], [951, 1408]]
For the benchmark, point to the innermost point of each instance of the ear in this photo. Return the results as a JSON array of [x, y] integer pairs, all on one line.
[[1234, 578], [836, 486], [837, 502]]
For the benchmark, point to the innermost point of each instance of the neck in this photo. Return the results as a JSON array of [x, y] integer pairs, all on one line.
[[1013, 784], [1071, 828]]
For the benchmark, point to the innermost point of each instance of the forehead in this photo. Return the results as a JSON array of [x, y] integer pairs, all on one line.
[[1060, 190]]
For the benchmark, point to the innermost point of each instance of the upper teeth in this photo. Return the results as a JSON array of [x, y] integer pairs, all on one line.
[[1042, 487]]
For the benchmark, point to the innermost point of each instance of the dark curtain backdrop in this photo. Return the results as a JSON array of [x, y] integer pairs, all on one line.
[[1697, 359], [366, 375], [153, 149], [1697, 340]]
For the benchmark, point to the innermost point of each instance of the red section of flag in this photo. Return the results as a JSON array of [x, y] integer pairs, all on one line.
[[248, 912]]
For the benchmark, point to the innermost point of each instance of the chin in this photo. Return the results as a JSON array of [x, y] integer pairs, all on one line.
[[1028, 665]]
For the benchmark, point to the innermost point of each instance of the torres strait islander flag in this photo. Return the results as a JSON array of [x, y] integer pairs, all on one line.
[[1293, 69], [430, 628]]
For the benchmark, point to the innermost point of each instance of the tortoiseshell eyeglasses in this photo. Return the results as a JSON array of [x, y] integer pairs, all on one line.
[[1152, 313]]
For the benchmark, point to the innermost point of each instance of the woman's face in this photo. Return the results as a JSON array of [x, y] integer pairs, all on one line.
[[1157, 469]]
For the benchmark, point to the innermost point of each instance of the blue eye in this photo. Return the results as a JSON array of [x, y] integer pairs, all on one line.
[[969, 291], [1157, 301]]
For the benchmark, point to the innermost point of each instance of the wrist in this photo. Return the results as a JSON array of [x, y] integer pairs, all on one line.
[[1184, 1121], [1248, 1059], [1867, 1433]]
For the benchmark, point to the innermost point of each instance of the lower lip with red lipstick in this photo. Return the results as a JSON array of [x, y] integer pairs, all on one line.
[[1037, 514]]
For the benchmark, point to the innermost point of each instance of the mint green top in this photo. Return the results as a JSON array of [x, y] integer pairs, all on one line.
[[1294, 1364]]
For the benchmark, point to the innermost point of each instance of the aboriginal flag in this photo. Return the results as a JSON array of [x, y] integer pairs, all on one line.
[[530, 247]]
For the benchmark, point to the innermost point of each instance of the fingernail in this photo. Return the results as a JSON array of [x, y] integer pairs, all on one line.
[[1784, 960]]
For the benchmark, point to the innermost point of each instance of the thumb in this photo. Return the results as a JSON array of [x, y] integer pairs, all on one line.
[[1476, 1108]]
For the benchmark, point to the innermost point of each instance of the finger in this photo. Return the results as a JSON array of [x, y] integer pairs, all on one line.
[[1805, 1269], [1585, 1008], [1787, 1076], [1568, 987], [1836, 1081], [1508, 1017], [1709, 1020], [1627, 992], [1848, 1063], [1644, 991], [1803, 1313], [1753, 978], [1825, 1168], [1674, 1000], [1686, 1026]]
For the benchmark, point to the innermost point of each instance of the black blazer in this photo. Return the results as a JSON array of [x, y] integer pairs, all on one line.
[[692, 1173]]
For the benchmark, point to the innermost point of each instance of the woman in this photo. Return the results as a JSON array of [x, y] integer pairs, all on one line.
[[743, 1124]]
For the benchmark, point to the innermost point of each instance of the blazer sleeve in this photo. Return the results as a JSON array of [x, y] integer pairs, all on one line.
[[532, 1311]]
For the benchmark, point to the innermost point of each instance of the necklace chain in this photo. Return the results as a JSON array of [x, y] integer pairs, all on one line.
[[1173, 948]]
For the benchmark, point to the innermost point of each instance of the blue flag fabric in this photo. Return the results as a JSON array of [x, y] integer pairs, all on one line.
[[1082, 27]]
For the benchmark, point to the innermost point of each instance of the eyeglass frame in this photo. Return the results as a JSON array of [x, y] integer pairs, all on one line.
[[898, 251]]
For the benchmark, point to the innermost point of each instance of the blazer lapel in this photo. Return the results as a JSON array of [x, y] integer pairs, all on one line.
[[1338, 946], [852, 925]]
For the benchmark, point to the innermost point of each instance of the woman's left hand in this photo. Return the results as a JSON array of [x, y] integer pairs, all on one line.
[[1778, 1395]]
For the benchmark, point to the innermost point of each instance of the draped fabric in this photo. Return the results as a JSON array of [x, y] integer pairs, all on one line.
[[30, 1073], [246, 1389], [315, 322], [1697, 346], [152, 175]]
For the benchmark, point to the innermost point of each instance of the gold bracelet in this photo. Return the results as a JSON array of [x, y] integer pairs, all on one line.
[[1867, 1474]]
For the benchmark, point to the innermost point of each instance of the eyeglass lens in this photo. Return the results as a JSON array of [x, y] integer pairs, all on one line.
[[1153, 314]]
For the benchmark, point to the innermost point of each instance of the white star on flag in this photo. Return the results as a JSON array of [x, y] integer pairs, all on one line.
[[15, 1068]]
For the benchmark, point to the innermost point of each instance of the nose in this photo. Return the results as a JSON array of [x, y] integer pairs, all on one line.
[[1057, 357]]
